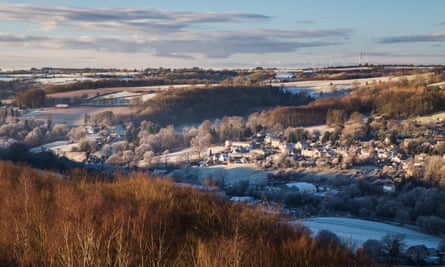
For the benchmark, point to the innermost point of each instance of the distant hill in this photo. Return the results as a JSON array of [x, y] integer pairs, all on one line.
[[181, 106], [397, 99]]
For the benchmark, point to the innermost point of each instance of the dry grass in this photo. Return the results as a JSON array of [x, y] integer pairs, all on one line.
[[142, 221]]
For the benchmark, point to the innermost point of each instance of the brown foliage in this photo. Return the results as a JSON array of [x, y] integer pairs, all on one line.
[[75, 220], [394, 99], [33, 98], [298, 116]]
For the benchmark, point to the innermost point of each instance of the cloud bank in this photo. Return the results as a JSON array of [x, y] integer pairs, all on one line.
[[433, 37], [161, 33]]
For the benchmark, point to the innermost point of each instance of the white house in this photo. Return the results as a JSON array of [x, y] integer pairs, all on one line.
[[272, 140], [61, 106], [241, 146], [224, 157], [287, 148], [301, 145], [311, 153], [389, 188]]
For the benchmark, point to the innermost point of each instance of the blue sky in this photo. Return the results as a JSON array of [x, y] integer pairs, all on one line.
[[219, 34]]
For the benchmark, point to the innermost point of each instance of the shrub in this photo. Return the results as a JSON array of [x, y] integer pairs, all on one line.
[[142, 221]]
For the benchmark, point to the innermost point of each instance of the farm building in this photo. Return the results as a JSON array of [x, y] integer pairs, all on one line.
[[284, 76], [61, 106]]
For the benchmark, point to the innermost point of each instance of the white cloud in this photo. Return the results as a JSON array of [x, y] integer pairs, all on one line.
[[168, 34], [432, 37], [122, 19], [212, 45]]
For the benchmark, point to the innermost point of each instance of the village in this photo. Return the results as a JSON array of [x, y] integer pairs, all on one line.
[[355, 166], [225, 133], [268, 171], [270, 154]]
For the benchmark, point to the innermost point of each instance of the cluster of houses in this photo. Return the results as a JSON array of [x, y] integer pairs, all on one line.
[[268, 150], [265, 150]]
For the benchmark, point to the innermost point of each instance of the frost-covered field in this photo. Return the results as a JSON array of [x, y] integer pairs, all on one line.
[[434, 118], [332, 87], [72, 116], [230, 174], [94, 92], [358, 231]]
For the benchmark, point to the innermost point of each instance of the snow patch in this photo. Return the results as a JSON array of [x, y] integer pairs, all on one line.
[[359, 231]]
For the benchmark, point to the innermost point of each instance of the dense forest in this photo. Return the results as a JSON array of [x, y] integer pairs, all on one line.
[[76, 220], [195, 105]]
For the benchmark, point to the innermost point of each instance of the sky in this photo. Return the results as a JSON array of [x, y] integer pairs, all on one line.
[[219, 34]]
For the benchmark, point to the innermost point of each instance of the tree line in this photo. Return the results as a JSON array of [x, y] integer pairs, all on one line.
[[9, 89], [34, 98]]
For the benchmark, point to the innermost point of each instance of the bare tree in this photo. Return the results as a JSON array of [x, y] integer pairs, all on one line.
[[58, 132], [253, 122], [327, 238], [373, 248], [435, 170], [88, 145], [116, 159], [392, 245], [34, 137], [352, 131], [188, 134], [128, 157], [142, 149], [231, 128], [104, 118], [201, 142], [76, 134], [148, 156], [120, 146], [169, 138]]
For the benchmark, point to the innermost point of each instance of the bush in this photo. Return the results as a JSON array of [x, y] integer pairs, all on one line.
[[327, 239], [373, 248]]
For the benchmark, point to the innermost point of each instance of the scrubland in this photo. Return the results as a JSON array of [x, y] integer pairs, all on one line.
[[80, 219]]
